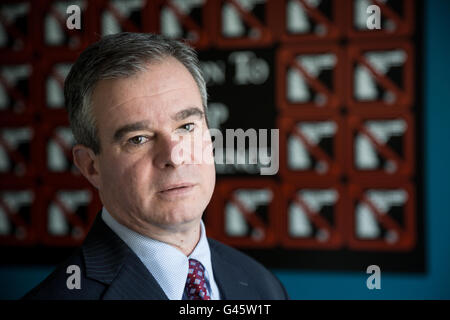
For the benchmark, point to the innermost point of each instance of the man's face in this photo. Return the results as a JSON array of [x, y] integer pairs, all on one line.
[[139, 120]]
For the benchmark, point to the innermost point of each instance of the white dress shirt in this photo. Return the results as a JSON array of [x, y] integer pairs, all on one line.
[[168, 265]]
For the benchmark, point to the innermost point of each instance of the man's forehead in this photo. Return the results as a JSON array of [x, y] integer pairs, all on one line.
[[144, 107], [163, 79]]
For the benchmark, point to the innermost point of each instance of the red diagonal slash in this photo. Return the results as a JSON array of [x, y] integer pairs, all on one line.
[[73, 218], [17, 157], [15, 218], [128, 25], [313, 216], [13, 91], [312, 148], [388, 12], [67, 150], [184, 19], [384, 219], [251, 218], [383, 80], [316, 84], [11, 29], [248, 17], [383, 149], [315, 14], [58, 77]]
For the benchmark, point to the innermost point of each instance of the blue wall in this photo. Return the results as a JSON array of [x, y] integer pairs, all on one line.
[[435, 284]]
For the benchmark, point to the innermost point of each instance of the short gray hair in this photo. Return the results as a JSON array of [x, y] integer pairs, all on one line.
[[119, 56]]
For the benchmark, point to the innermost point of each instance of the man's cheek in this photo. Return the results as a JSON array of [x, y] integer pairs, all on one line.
[[206, 151]]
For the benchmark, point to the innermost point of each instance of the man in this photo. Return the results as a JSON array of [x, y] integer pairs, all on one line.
[[132, 100]]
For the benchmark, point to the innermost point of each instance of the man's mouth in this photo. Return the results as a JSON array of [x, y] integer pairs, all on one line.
[[177, 189]]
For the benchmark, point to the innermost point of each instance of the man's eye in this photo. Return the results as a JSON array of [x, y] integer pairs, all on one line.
[[138, 140], [188, 127]]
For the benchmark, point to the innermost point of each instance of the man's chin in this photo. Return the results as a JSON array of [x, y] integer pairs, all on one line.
[[179, 221]]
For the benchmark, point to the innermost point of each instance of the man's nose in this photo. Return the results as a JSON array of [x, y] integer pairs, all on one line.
[[169, 152]]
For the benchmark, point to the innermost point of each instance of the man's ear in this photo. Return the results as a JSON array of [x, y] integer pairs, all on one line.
[[87, 162]]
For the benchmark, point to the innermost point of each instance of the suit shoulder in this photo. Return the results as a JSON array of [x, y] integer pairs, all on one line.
[[55, 287], [260, 275]]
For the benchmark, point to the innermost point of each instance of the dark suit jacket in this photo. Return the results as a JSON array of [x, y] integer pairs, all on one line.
[[111, 270]]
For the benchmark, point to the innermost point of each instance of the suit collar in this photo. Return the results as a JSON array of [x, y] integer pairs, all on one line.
[[109, 260]]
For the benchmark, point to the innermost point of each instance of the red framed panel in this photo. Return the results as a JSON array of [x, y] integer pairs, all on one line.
[[309, 77], [304, 20], [236, 217], [19, 151], [380, 146], [311, 147], [18, 74], [54, 71], [54, 35], [343, 102], [179, 20], [380, 75], [113, 16], [236, 24], [381, 216], [18, 26], [397, 19], [313, 215], [19, 213], [70, 209], [57, 146]]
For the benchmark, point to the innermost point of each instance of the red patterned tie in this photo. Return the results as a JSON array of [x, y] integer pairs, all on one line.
[[195, 282]]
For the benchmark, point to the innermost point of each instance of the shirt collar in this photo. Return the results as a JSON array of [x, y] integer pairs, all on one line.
[[168, 265]]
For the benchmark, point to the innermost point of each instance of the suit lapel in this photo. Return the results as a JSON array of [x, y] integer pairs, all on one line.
[[134, 282], [109, 260], [231, 280]]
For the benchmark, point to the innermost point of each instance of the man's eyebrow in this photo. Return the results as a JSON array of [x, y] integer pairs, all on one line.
[[141, 125], [186, 113], [136, 126]]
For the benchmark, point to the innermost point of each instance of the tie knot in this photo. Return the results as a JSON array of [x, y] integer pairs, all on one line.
[[195, 282], [196, 265]]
